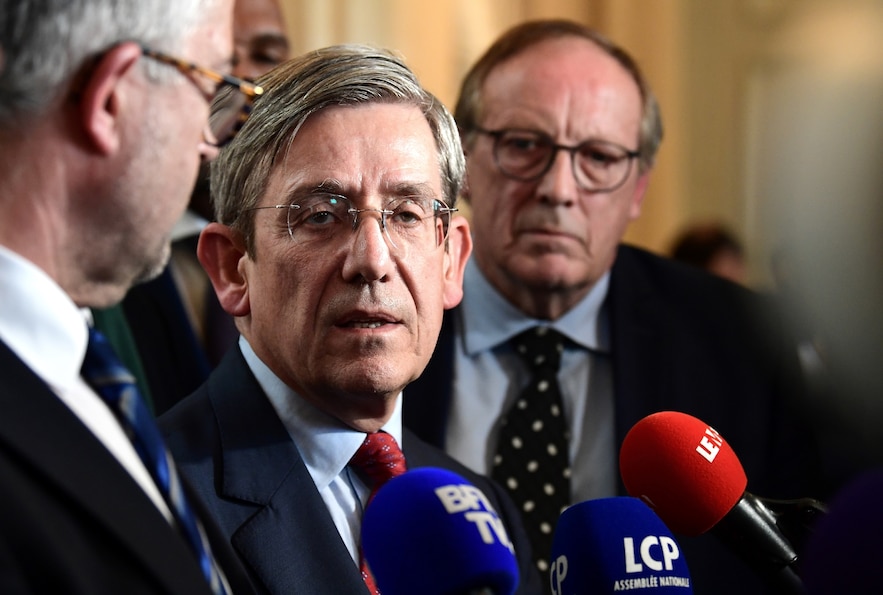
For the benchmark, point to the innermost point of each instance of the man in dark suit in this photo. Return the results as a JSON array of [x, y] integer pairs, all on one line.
[[98, 96], [337, 250], [561, 130]]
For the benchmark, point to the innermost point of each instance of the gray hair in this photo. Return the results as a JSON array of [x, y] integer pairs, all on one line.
[[46, 44], [334, 76]]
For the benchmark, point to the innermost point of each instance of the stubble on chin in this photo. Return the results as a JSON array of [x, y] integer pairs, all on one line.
[[155, 267]]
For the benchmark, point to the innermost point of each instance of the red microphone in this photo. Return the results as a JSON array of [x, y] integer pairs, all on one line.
[[688, 474], [683, 469]]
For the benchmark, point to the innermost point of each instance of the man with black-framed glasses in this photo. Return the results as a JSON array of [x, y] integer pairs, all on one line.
[[104, 121], [561, 130]]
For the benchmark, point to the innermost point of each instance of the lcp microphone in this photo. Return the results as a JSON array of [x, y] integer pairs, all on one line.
[[613, 545], [432, 532]]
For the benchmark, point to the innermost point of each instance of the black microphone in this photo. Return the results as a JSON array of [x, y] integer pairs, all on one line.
[[688, 474]]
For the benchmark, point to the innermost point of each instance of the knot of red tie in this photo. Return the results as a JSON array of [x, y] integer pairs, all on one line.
[[380, 459]]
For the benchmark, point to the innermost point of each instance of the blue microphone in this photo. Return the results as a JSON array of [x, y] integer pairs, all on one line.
[[432, 532], [612, 545]]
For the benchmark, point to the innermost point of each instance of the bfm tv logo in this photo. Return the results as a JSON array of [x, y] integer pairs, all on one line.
[[657, 554], [476, 509]]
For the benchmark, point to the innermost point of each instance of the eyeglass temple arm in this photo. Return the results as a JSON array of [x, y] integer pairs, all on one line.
[[244, 86]]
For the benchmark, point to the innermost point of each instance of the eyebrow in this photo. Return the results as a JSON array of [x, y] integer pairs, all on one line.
[[299, 191], [406, 189], [551, 137], [389, 191], [265, 39]]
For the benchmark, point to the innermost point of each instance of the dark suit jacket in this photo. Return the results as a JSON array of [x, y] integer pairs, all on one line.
[[683, 340], [229, 441], [174, 361], [72, 520]]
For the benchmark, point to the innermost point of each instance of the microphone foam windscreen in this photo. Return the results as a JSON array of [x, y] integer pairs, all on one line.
[[430, 531], [683, 469], [616, 544]]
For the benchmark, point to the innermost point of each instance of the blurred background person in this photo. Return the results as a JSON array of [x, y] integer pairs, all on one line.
[[711, 246], [259, 39]]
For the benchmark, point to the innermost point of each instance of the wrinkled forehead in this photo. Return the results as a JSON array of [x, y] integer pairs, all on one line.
[[568, 86], [359, 150], [573, 62]]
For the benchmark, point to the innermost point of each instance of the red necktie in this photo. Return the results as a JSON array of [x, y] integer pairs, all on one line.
[[380, 459]]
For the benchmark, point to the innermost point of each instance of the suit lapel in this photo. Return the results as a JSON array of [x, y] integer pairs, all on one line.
[[69, 457], [290, 542]]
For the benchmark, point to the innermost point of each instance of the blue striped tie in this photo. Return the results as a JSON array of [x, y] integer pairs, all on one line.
[[105, 373]]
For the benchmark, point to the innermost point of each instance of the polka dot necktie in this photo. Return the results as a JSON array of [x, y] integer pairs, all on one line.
[[380, 459], [105, 373], [532, 460]]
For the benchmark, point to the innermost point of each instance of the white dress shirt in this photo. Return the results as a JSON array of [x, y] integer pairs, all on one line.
[[326, 446], [43, 327]]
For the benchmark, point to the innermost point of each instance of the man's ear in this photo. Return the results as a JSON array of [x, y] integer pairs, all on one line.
[[637, 198], [103, 96], [465, 193], [221, 250], [456, 255]]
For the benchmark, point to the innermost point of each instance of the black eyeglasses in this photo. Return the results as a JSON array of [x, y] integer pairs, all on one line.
[[410, 222], [526, 155], [231, 110]]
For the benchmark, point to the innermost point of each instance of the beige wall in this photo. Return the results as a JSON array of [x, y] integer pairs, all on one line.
[[709, 62]]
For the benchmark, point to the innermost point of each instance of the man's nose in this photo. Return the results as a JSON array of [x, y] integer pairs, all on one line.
[[558, 185], [369, 256]]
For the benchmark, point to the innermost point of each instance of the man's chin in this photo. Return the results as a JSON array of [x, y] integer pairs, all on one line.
[[153, 270], [548, 266]]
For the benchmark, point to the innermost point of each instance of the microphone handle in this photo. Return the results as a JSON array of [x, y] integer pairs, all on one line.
[[797, 518], [752, 531]]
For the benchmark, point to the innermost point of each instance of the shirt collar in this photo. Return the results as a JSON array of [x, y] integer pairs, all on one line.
[[324, 442], [190, 224], [490, 319], [40, 322]]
